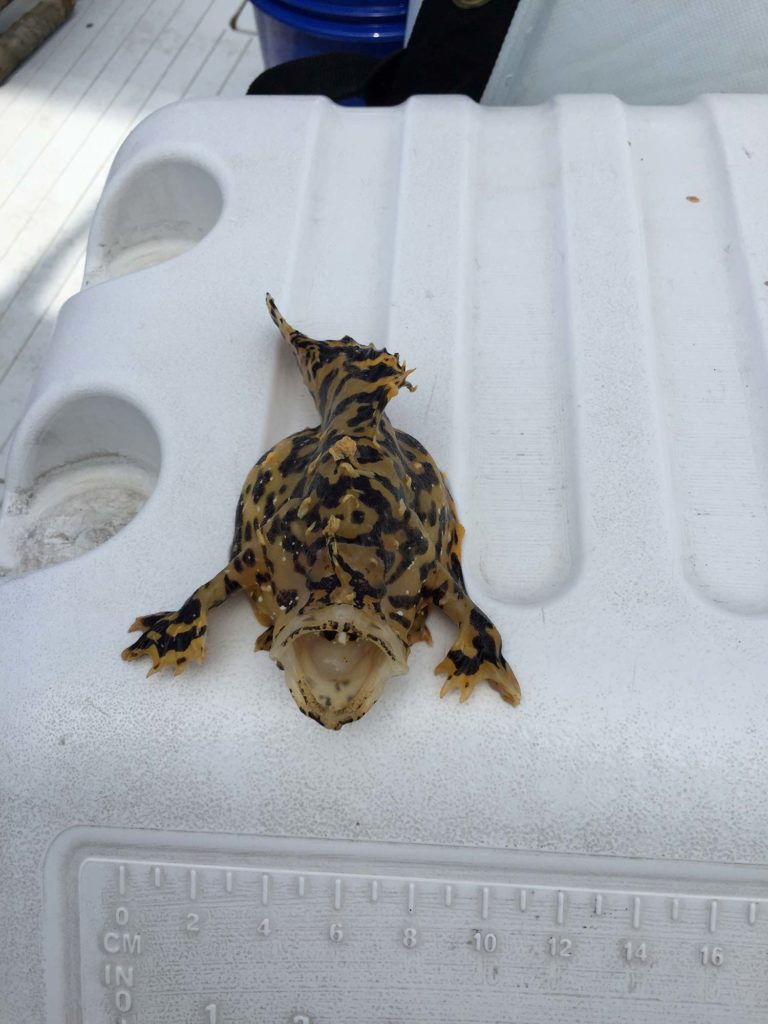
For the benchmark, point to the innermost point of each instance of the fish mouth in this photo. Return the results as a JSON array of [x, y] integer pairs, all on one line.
[[337, 659]]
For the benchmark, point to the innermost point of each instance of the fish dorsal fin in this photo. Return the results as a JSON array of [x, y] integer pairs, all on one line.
[[342, 373]]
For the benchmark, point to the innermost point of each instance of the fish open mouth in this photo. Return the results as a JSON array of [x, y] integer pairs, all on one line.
[[337, 659]]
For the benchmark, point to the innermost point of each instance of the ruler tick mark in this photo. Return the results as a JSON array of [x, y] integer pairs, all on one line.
[[192, 884], [411, 897], [302, 885], [121, 880], [636, 912], [675, 911], [484, 903], [599, 904], [374, 890], [713, 915], [264, 890], [560, 907], [448, 895], [752, 913], [158, 873], [228, 881], [523, 899], [337, 894]]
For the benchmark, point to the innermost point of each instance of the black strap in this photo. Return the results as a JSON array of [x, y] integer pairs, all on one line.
[[338, 75], [451, 50]]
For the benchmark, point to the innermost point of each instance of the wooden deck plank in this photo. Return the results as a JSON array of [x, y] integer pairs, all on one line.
[[102, 97], [25, 75], [250, 64], [191, 56], [34, 120], [214, 72], [42, 69]]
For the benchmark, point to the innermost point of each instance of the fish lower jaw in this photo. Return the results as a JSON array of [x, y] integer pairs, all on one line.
[[337, 659]]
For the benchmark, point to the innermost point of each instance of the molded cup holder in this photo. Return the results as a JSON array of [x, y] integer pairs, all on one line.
[[151, 214], [84, 475]]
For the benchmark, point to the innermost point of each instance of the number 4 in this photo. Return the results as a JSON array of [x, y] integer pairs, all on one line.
[[635, 952]]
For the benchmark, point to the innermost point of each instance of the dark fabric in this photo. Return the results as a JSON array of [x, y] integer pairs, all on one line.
[[338, 75], [451, 50]]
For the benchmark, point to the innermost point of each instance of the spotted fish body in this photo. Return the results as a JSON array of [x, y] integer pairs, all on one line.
[[345, 536]]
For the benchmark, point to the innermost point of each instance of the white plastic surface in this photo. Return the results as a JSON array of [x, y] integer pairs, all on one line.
[[174, 927], [581, 287]]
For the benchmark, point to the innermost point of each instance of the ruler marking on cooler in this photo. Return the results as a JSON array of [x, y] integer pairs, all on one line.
[[636, 907], [122, 901], [713, 915], [156, 875], [560, 912]]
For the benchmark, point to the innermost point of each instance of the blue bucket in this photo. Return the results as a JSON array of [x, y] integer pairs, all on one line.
[[289, 29]]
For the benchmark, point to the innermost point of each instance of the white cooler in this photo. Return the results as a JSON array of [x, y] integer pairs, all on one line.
[[583, 289]]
